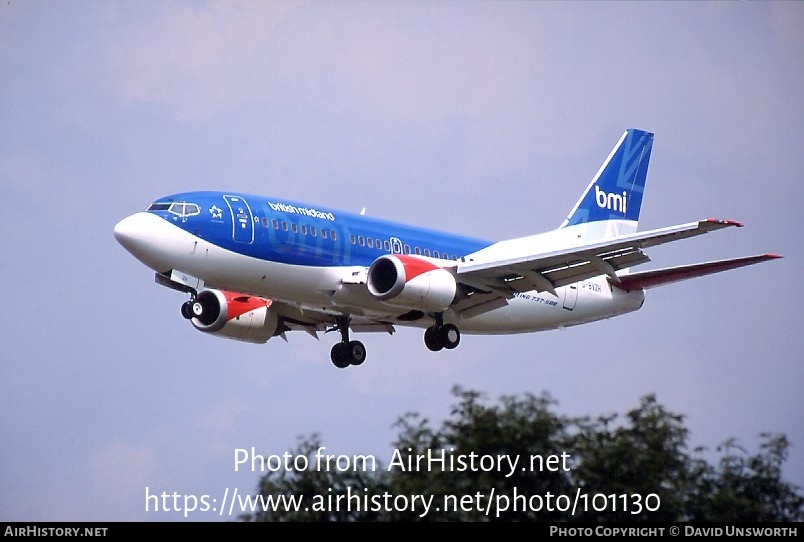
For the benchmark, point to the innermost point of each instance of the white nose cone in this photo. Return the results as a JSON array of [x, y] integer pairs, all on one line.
[[136, 232], [126, 231], [148, 238]]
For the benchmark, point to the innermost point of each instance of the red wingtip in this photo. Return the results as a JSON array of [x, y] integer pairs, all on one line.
[[727, 222], [773, 256]]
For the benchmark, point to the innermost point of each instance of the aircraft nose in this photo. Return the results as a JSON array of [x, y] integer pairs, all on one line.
[[125, 231], [132, 232], [143, 235]]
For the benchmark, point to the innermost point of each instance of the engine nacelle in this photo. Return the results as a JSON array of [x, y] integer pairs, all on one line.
[[234, 315], [410, 282]]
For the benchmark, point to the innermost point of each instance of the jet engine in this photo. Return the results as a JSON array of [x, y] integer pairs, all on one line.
[[232, 315], [410, 282]]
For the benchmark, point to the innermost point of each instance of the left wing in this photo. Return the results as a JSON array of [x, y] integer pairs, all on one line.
[[659, 277], [492, 281]]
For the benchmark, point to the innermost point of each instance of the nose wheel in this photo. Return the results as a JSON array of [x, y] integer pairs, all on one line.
[[187, 310], [193, 308]]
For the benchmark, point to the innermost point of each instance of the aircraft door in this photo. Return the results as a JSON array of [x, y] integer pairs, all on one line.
[[570, 296], [242, 219]]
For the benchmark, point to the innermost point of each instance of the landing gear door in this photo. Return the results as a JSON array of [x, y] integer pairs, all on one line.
[[242, 219]]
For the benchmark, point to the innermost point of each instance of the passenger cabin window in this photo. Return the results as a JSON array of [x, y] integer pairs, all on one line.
[[370, 242], [361, 240], [332, 235], [275, 222]]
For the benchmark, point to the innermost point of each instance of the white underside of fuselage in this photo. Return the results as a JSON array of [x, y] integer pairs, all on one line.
[[165, 247]]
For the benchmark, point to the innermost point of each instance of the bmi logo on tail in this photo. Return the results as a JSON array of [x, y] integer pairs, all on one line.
[[613, 202]]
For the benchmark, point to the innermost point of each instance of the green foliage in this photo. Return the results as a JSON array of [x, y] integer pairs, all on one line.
[[638, 468], [314, 486], [745, 487], [643, 457]]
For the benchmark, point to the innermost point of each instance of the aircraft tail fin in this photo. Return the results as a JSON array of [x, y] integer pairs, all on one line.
[[610, 205]]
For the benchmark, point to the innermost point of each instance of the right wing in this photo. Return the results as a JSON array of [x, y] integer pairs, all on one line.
[[491, 280]]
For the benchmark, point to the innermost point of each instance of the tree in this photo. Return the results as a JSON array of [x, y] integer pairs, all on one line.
[[520, 460], [314, 494], [523, 428], [744, 487], [645, 457]]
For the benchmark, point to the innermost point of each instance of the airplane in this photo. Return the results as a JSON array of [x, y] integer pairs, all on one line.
[[258, 267]]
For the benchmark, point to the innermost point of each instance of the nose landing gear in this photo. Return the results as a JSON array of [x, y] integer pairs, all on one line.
[[187, 310]]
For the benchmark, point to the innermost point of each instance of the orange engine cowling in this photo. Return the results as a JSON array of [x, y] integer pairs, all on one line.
[[234, 315]]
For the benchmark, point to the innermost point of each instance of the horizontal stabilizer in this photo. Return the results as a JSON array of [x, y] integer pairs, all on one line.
[[650, 279]]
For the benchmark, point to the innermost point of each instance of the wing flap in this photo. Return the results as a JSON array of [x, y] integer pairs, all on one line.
[[372, 327], [605, 264], [480, 303], [314, 321]]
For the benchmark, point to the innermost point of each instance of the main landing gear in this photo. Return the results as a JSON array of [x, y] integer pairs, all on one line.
[[346, 352], [441, 335]]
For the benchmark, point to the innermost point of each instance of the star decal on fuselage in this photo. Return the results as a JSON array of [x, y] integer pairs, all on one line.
[[216, 211]]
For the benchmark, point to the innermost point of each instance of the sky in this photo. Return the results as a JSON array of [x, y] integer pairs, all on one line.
[[482, 118]]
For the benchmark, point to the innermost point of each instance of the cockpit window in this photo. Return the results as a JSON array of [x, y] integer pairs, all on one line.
[[177, 208], [188, 209]]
